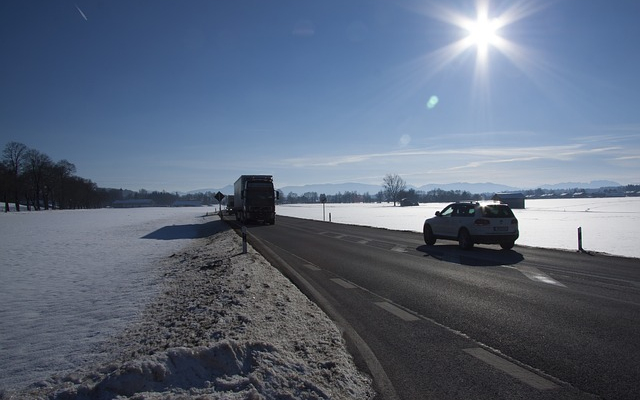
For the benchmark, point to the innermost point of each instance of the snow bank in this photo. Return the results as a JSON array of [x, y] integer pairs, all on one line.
[[226, 326]]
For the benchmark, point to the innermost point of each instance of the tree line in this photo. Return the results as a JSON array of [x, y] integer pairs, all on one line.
[[394, 189], [417, 196], [31, 179]]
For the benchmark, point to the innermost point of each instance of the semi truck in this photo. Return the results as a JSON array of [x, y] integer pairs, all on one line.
[[254, 199]]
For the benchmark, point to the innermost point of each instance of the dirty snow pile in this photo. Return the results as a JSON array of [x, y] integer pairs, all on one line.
[[226, 326]]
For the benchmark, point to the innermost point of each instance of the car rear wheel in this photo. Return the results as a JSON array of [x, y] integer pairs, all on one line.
[[507, 245], [429, 239], [464, 240]]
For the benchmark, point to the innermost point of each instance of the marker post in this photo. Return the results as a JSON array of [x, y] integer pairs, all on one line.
[[244, 239]]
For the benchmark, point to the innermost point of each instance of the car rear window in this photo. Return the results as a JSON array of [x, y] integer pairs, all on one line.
[[497, 211]]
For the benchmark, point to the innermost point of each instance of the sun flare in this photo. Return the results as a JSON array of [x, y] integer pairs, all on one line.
[[481, 29], [483, 32]]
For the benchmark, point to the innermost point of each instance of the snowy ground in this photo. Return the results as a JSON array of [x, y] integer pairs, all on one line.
[[79, 275], [609, 225], [151, 306], [138, 302]]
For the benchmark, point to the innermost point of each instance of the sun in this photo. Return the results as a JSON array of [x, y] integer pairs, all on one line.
[[482, 32]]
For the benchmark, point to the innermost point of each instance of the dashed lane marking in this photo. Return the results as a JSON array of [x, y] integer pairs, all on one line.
[[343, 283], [536, 275], [397, 311], [311, 267], [399, 249], [526, 376]]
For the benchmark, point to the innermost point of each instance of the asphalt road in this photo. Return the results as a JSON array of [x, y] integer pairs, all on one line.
[[436, 322]]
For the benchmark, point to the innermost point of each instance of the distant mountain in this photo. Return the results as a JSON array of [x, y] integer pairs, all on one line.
[[472, 188], [225, 190], [332, 188], [581, 185]]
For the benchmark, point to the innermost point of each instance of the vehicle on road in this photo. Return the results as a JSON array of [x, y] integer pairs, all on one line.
[[254, 199], [473, 222]]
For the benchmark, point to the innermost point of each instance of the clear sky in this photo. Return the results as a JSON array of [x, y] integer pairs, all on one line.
[[181, 95]]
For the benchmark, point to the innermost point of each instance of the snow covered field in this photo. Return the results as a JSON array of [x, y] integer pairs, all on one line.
[[70, 281], [609, 225], [157, 303]]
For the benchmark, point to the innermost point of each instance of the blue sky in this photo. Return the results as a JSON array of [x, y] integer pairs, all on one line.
[[181, 95]]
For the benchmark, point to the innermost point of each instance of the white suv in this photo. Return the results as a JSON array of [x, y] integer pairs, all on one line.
[[471, 223]]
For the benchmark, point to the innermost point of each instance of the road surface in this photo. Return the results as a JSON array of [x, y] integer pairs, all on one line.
[[439, 322]]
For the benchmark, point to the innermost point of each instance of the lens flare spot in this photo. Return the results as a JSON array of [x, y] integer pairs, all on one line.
[[433, 102], [405, 140]]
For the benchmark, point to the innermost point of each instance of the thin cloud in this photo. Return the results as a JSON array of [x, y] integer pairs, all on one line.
[[637, 157], [492, 155]]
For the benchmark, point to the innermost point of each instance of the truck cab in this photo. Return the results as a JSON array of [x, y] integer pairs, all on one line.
[[254, 199]]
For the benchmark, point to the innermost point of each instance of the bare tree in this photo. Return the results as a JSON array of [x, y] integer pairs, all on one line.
[[37, 167], [12, 157], [393, 184], [5, 178], [62, 173]]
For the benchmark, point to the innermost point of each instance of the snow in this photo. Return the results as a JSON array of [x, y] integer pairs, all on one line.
[[157, 303], [609, 225]]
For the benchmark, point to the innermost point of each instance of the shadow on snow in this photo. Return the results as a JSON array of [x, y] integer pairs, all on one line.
[[191, 231]]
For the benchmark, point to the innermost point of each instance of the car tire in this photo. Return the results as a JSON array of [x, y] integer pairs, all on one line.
[[429, 239], [464, 240], [507, 245]]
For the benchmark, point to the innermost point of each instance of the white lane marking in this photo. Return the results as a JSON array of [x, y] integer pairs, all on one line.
[[528, 377], [363, 241], [397, 311], [536, 275], [311, 267], [343, 283], [399, 249]]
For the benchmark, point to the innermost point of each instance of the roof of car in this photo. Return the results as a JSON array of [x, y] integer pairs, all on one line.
[[477, 203]]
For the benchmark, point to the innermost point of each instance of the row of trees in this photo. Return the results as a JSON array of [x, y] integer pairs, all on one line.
[[163, 198], [32, 178], [436, 195]]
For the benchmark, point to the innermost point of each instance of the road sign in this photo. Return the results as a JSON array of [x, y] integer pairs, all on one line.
[[219, 196]]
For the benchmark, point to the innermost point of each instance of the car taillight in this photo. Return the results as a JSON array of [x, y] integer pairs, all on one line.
[[514, 222], [481, 222]]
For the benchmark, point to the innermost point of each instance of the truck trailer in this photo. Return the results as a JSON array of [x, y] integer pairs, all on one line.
[[255, 199]]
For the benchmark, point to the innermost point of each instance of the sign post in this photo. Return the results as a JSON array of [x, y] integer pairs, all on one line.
[[219, 196]]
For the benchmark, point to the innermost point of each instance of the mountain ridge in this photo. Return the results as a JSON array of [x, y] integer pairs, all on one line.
[[474, 188]]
